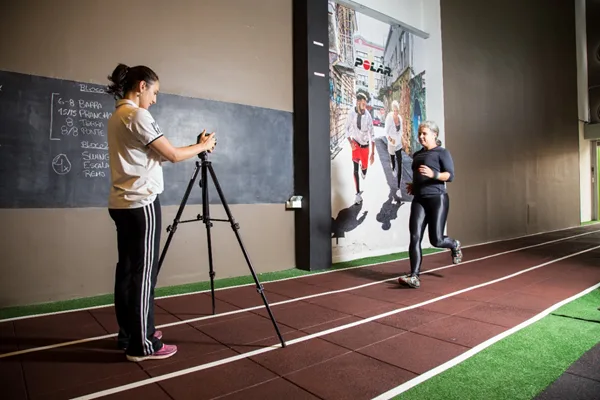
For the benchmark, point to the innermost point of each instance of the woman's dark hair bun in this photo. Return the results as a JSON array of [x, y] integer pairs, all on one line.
[[124, 78], [118, 78]]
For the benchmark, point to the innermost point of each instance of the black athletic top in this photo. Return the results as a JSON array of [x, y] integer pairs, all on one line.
[[438, 159]]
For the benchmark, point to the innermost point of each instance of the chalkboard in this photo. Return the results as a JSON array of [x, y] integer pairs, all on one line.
[[53, 148]]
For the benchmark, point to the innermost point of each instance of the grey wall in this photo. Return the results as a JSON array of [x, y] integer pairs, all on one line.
[[226, 50], [511, 116]]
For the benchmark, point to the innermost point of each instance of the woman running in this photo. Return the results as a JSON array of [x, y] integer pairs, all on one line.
[[393, 130], [137, 147], [432, 167]]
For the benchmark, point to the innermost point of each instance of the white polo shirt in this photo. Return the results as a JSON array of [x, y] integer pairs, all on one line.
[[136, 170]]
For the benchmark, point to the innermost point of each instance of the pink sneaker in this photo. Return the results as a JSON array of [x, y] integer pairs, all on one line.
[[166, 351]]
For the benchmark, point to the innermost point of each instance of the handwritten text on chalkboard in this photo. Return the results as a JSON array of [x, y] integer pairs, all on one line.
[[84, 120]]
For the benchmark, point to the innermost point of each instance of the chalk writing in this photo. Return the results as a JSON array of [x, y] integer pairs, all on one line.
[[91, 124], [69, 131], [68, 102], [65, 112], [83, 119], [52, 116], [87, 156], [90, 104], [94, 164], [94, 115], [94, 174], [74, 116], [93, 145], [88, 131], [61, 164], [90, 89]]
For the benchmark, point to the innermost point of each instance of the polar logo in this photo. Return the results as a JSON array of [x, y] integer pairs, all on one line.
[[367, 65]]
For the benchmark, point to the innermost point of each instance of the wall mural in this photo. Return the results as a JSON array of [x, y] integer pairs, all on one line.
[[377, 100]]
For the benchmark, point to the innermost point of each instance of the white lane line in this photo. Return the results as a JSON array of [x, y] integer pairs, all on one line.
[[312, 296], [201, 367], [308, 275], [436, 252], [471, 352]]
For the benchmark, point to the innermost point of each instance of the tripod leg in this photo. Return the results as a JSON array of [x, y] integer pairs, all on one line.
[[235, 226], [171, 229], [208, 224]]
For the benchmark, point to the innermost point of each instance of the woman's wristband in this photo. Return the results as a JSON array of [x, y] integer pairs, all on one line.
[[436, 175]]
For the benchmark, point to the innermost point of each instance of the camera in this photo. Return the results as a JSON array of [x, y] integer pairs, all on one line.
[[199, 140]]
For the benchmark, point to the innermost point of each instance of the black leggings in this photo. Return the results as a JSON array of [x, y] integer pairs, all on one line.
[[396, 159], [138, 239], [424, 211]]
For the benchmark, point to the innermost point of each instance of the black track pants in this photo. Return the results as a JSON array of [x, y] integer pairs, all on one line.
[[138, 241]]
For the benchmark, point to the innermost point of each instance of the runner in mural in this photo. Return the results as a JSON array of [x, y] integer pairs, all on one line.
[[359, 132], [393, 130]]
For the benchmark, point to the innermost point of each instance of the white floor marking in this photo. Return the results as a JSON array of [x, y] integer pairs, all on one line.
[[471, 352], [307, 275], [312, 296], [201, 367]]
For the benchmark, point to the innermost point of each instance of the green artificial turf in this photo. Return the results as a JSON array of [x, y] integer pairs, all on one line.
[[521, 365], [589, 222], [585, 308], [107, 299]]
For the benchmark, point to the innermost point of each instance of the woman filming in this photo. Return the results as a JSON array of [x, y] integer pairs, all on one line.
[[432, 167], [137, 147]]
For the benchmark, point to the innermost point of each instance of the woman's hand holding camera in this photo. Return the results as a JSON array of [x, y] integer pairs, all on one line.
[[207, 140]]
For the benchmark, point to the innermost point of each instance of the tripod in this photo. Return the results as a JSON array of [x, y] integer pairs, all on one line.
[[206, 166]]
